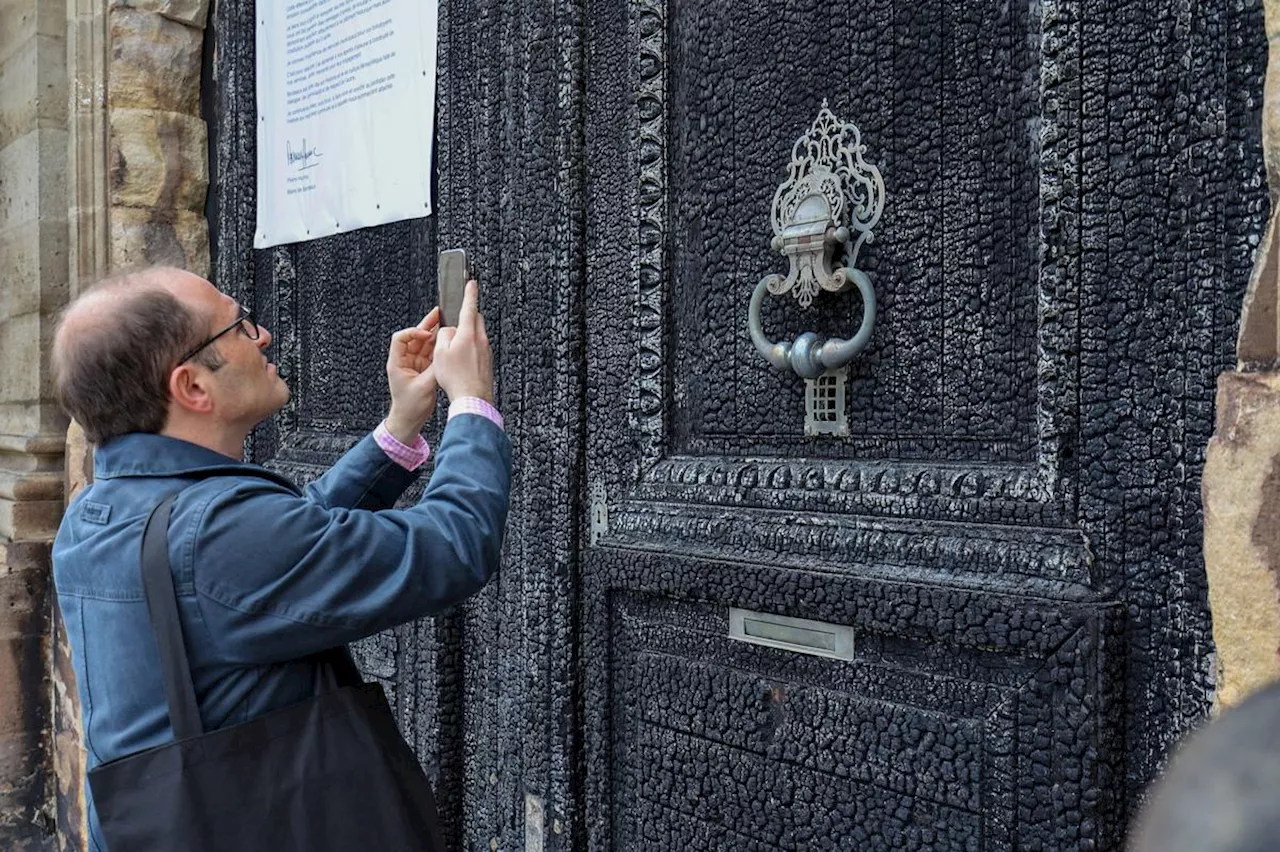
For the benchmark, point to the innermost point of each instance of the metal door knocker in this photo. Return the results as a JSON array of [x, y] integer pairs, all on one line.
[[822, 214]]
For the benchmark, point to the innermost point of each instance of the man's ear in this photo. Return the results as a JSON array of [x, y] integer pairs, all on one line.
[[189, 389]]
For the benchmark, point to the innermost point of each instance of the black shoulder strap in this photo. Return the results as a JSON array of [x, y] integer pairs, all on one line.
[[337, 668], [162, 605]]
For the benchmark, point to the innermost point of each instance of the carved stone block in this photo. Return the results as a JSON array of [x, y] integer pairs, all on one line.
[[158, 160], [146, 237], [155, 62]]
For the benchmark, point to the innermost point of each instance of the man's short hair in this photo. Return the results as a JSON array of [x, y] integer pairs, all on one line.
[[1222, 790], [112, 374]]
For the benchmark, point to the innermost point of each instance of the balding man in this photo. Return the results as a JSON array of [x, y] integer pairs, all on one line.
[[168, 376]]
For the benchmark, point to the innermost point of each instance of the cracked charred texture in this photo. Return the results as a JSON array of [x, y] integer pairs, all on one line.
[[1160, 306], [952, 360], [332, 305], [965, 720], [25, 706], [1075, 191]]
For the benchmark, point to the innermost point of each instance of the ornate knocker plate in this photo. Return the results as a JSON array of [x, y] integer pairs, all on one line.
[[823, 213]]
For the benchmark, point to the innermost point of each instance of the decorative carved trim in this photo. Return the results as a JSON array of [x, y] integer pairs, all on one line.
[[1058, 365], [864, 545], [842, 485], [304, 454], [88, 217], [288, 336], [649, 414]]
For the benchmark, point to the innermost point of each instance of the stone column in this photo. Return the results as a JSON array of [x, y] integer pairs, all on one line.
[[90, 247], [134, 153], [34, 274], [1241, 485]]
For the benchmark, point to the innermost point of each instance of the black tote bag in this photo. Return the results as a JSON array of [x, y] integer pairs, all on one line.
[[330, 774]]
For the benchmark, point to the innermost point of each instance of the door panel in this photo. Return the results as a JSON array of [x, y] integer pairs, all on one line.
[[933, 431], [980, 530], [948, 93], [331, 305], [954, 726]]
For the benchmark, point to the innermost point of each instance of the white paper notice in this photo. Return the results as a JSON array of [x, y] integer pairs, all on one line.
[[346, 107]]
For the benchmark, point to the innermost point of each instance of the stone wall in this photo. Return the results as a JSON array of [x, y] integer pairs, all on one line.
[[139, 170], [1241, 485], [102, 165], [34, 249], [158, 163]]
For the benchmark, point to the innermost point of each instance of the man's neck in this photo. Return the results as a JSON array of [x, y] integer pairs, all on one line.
[[228, 442]]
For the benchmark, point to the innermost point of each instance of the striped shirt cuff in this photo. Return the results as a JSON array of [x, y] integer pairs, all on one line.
[[409, 457], [475, 405]]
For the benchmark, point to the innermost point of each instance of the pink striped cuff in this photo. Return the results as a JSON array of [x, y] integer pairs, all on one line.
[[475, 405], [408, 457]]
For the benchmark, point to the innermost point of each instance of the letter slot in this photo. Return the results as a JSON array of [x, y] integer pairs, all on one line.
[[791, 634]]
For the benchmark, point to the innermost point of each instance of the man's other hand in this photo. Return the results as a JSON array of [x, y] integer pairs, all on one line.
[[463, 359], [412, 378]]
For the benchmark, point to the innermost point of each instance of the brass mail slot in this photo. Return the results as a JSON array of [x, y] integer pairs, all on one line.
[[791, 634]]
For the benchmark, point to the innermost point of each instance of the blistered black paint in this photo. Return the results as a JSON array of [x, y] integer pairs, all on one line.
[[1012, 529]]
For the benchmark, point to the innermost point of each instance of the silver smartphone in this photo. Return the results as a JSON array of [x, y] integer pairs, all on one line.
[[451, 278]]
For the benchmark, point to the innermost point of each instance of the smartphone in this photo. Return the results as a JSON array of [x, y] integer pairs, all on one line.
[[451, 279]]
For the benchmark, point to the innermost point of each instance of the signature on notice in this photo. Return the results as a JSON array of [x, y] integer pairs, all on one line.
[[301, 157]]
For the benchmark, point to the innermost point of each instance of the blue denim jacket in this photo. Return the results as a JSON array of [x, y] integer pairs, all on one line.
[[266, 574]]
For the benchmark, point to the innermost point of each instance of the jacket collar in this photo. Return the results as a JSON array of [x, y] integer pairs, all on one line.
[[144, 454]]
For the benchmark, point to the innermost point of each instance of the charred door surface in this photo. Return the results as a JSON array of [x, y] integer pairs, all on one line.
[[1011, 528], [332, 305]]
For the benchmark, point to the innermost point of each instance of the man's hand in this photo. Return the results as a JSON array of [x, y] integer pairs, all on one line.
[[463, 359], [412, 379]]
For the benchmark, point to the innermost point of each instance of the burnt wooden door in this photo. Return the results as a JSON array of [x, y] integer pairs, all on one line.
[[1011, 529]]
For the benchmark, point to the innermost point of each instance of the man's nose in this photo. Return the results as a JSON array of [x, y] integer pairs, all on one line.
[[264, 338]]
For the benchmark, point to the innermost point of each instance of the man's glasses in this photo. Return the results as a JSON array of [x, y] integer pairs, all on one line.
[[244, 321]]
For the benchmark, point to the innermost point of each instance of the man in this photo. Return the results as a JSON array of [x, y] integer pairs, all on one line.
[[168, 376]]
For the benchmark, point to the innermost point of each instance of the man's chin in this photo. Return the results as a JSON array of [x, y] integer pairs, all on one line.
[[282, 397]]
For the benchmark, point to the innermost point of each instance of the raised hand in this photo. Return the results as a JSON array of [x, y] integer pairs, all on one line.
[[463, 360], [412, 378]]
